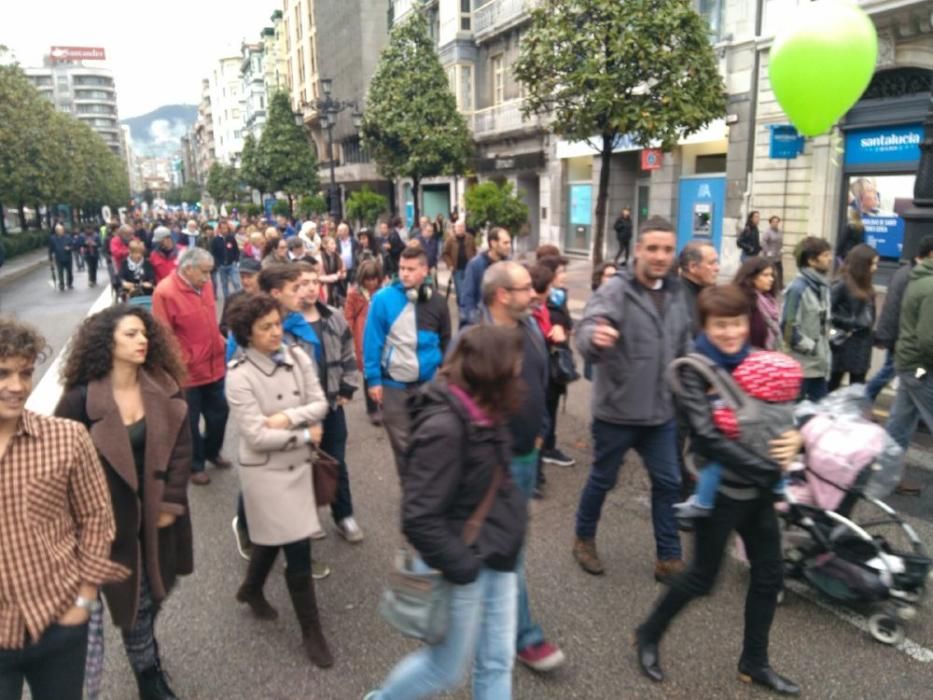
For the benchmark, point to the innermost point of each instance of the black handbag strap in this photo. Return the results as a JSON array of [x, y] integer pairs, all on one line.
[[475, 522]]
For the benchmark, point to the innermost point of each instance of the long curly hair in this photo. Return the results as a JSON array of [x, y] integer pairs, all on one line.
[[90, 355]]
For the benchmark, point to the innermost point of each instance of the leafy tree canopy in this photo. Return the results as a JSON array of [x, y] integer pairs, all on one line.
[[496, 205], [366, 206], [284, 160]]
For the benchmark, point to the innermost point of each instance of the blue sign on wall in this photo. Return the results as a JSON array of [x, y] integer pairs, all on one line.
[[786, 142], [885, 233], [893, 144], [702, 202]]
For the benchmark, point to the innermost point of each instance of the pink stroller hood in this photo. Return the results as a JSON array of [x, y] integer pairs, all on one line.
[[838, 448]]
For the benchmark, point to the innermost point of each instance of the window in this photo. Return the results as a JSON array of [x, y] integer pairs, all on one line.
[[711, 11], [498, 80], [236, 114], [298, 22], [465, 95], [465, 15]]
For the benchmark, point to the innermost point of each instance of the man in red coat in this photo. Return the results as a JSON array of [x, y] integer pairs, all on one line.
[[165, 253], [120, 246], [184, 301]]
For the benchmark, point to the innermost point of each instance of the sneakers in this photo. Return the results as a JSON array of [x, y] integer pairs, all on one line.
[[666, 569], [557, 457], [376, 418], [319, 570], [687, 511], [349, 530], [541, 657], [243, 545], [584, 551], [221, 462]]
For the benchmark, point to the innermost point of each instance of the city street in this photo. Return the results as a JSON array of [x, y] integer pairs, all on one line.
[[213, 648]]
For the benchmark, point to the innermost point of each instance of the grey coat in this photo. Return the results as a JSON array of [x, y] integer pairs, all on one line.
[[340, 376], [806, 322], [889, 321], [274, 464], [628, 380]]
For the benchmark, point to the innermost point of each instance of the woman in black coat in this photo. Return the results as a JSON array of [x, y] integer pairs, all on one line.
[[749, 241], [853, 317], [122, 380]]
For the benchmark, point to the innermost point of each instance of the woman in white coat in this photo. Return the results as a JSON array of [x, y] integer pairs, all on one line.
[[277, 405]]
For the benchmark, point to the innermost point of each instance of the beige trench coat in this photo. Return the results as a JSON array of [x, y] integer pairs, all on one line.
[[275, 465]]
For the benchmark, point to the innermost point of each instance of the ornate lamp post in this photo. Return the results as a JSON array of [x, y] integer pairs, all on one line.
[[328, 108], [918, 220]]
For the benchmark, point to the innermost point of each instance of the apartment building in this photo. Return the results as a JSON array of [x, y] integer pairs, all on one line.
[[228, 109]]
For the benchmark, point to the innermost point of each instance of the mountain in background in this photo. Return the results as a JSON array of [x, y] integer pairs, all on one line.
[[159, 132]]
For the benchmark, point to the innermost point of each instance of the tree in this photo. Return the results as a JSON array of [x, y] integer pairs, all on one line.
[[251, 170], [411, 125], [310, 205], [604, 68], [189, 193], [285, 161], [496, 205], [366, 206], [222, 183]]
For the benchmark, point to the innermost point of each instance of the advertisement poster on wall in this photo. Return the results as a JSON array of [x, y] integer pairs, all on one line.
[[880, 201]]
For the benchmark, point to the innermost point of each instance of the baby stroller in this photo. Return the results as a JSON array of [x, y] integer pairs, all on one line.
[[828, 542]]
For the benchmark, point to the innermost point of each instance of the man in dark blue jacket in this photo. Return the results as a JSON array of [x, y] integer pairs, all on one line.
[[60, 247], [500, 247]]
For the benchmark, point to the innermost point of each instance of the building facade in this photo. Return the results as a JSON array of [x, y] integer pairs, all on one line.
[[227, 109], [253, 89], [87, 93], [206, 154], [275, 55]]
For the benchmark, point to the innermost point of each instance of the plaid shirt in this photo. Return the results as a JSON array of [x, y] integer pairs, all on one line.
[[56, 525]]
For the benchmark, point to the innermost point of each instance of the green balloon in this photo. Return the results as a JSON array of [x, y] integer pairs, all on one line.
[[821, 64]]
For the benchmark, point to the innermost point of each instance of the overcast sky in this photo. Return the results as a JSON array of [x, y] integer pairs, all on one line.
[[158, 50]]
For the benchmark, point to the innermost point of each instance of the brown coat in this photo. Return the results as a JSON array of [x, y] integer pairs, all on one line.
[[449, 254], [168, 551]]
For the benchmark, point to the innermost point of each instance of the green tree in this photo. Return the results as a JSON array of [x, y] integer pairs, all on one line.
[[496, 205], [366, 206], [222, 183], [281, 208], [605, 68], [310, 205], [285, 161], [188, 193], [411, 125], [251, 170]]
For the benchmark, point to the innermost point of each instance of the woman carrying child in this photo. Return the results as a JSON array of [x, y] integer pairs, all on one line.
[[744, 503]]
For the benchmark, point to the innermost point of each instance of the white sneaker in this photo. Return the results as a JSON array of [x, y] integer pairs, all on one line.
[[243, 545], [349, 530]]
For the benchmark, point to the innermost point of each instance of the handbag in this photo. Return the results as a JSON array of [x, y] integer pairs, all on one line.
[[324, 472], [838, 337], [563, 369], [417, 604]]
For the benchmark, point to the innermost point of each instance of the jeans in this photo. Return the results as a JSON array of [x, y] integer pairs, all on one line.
[[707, 485], [63, 273], [882, 377], [53, 666], [757, 525], [657, 446], [215, 277], [814, 389], [229, 276], [913, 402], [397, 421], [524, 472], [481, 632], [207, 400], [334, 443], [458, 281]]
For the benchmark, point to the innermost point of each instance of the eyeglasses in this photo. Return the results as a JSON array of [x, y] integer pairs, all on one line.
[[526, 288]]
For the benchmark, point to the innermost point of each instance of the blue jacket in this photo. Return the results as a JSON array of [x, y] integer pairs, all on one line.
[[432, 247], [472, 288], [404, 342]]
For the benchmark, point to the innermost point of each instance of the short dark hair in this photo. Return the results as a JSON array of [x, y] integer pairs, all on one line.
[[553, 262], [655, 224], [692, 253], [495, 232], [722, 300], [277, 275], [295, 243], [809, 249], [412, 253], [547, 250], [244, 312], [541, 277], [926, 247], [598, 272], [368, 270], [773, 217], [21, 340]]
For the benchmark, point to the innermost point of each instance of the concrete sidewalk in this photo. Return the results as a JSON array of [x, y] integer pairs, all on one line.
[[22, 265]]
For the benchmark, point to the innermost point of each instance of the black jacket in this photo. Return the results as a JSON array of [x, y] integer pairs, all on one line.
[[749, 241], [691, 292], [450, 464], [856, 317], [742, 467], [623, 229], [888, 327]]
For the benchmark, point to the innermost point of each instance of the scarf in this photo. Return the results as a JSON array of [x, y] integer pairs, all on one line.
[[136, 268], [477, 414], [296, 324], [768, 308], [725, 360]]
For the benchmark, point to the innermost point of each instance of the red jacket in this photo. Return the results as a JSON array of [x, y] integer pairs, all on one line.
[[164, 265], [119, 251], [355, 312], [192, 317]]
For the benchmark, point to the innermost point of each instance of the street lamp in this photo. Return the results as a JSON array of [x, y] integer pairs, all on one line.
[[919, 218], [328, 108]]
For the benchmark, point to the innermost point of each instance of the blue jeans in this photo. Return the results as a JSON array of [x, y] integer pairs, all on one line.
[[913, 402], [882, 377], [708, 485], [657, 446], [481, 632], [458, 281], [334, 443], [230, 276], [524, 471], [814, 389]]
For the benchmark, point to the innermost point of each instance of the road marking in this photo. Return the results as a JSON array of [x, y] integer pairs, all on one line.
[[914, 650]]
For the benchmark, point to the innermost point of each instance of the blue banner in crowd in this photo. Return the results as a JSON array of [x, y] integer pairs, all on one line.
[[893, 144], [884, 233]]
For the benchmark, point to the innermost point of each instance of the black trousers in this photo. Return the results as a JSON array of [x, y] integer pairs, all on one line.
[[207, 400], [835, 379], [53, 666], [371, 406], [297, 555], [334, 443], [91, 261], [756, 523], [64, 273]]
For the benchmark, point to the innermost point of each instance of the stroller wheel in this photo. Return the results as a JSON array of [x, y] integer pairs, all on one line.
[[886, 629]]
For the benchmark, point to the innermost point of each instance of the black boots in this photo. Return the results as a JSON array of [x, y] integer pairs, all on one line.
[[260, 562], [649, 658], [153, 685], [767, 677], [301, 590]]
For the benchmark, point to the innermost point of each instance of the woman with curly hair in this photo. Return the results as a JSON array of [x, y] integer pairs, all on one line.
[[122, 380]]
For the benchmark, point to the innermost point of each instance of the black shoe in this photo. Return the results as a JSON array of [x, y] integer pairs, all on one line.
[[769, 678], [153, 685], [649, 658], [557, 457]]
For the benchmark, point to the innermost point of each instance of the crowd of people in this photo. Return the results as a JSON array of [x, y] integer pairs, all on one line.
[[97, 505]]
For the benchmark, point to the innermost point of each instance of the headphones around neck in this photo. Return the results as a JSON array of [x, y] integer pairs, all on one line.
[[416, 294]]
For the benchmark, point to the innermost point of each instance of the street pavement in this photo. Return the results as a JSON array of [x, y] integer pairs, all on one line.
[[214, 649]]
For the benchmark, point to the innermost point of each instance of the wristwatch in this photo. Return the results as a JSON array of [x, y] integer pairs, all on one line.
[[89, 604]]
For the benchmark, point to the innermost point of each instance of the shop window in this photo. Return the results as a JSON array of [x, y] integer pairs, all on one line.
[[711, 163]]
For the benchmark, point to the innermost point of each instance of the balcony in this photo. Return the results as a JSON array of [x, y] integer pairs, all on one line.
[[502, 119], [497, 15]]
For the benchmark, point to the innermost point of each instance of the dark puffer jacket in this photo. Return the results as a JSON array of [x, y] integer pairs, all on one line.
[[451, 461], [857, 318]]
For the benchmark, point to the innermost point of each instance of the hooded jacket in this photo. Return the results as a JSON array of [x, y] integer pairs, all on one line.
[[915, 344], [452, 458], [806, 321]]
